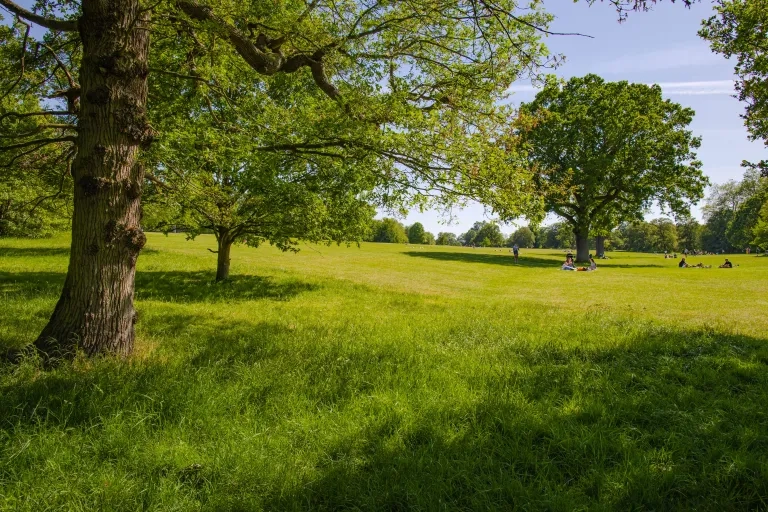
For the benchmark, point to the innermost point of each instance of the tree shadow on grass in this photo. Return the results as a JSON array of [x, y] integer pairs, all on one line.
[[37, 252], [21, 324], [200, 287], [673, 419], [176, 286], [32, 252], [508, 260]]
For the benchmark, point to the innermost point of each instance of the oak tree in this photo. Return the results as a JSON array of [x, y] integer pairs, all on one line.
[[424, 73], [600, 149]]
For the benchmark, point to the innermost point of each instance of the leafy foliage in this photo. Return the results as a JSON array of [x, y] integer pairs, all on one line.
[[731, 212], [760, 231], [388, 230], [446, 238], [689, 233], [416, 233], [558, 235], [522, 237], [608, 150], [483, 234], [35, 186]]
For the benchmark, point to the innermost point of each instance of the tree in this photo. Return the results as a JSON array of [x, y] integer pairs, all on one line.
[[445, 238], [523, 237], [597, 147], [252, 197], [731, 212], [664, 235], [404, 75], [745, 218], [760, 231], [689, 234], [416, 233], [640, 237], [713, 236], [389, 231], [484, 234], [429, 239], [557, 236], [738, 30]]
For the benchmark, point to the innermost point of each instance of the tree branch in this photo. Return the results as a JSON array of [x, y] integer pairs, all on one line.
[[23, 60], [38, 129], [265, 62], [43, 142], [43, 21], [72, 83], [31, 114]]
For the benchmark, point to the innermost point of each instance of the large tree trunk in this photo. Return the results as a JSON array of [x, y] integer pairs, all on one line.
[[95, 311], [222, 265], [599, 245], [582, 244]]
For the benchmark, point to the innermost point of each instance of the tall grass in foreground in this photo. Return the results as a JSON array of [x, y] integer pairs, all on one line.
[[386, 378]]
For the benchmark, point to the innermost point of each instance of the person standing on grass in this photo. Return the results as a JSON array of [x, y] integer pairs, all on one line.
[[516, 251]]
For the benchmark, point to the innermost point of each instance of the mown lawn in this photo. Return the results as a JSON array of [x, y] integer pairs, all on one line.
[[394, 378]]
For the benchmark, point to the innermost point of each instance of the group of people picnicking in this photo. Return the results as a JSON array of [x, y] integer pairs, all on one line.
[[570, 264], [684, 264]]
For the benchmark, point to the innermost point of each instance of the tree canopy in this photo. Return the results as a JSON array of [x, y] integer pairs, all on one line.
[[522, 237], [602, 150], [416, 84], [483, 234], [388, 230]]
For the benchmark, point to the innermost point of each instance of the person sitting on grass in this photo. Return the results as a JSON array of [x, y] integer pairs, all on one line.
[[682, 263], [568, 265], [727, 264]]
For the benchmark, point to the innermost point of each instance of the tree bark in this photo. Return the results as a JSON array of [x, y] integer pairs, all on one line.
[[95, 311], [599, 245], [222, 265], [582, 244]]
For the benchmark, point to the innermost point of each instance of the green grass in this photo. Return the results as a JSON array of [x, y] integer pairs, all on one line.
[[394, 378]]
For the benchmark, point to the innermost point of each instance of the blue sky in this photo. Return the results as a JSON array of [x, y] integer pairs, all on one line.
[[660, 46]]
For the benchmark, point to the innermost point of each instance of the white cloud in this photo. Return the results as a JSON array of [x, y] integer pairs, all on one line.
[[523, 88], [710, 87], [691, 55], [698, 88]]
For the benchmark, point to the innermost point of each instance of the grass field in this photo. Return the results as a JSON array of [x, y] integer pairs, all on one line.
[[394, 378]]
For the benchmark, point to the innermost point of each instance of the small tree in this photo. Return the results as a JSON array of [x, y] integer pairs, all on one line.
[[390, 231], [484, 234], [445, 238], [416, 233], [739, 231], [523, 237], [664, 235], [760, 231], [689, 235]]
